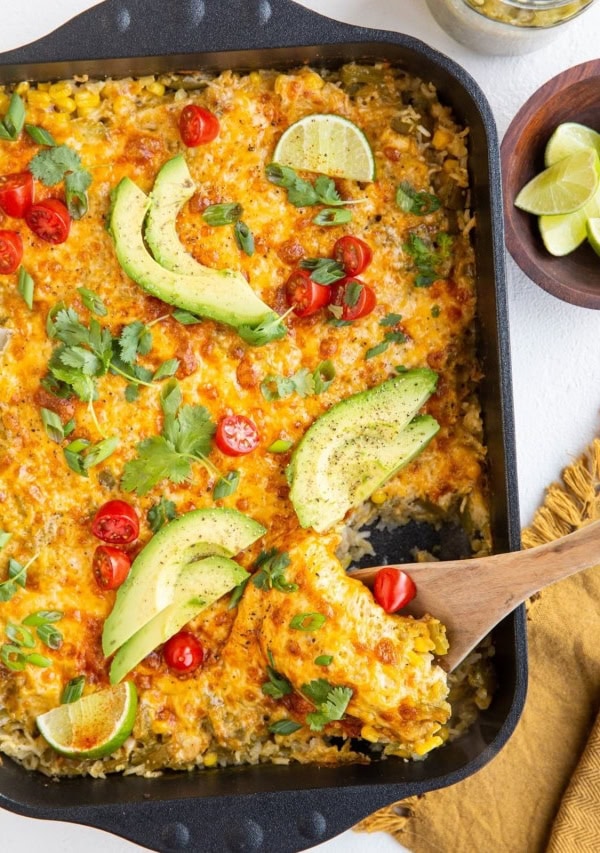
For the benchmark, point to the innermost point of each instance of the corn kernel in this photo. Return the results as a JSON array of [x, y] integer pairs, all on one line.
[[156, 88], [437, 632], [254, 78], [162, 727], [428, 745], [442, 138], [424, 644], [312, 82], [43, 87], [121, 104], [379, 497], [22, 88], [210, 759], [61, 89], [65, 105], [369, 733], [86, 98], [450, 165], [4, 102], [38, 99], [414, 658]]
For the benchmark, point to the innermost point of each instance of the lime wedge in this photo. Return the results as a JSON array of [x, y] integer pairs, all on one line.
[[568, 138], [328, 144], [564, 187], [93, 726], [564, 233], [593, 234]]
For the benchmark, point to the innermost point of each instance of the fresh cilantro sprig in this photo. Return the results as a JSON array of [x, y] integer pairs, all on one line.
[[392, 337], [160, 513], [12, 123], [331, 702], [272, 328], [270, 571], [419, 203], [186, 438], [303, 382], [302, 193], [17, 577], [323, 270], [277, 686], [58, 163], [430, 257]]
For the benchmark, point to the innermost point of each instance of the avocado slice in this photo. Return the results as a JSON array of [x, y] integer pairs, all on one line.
[[357, 445], [222, 295], [152, 581], [172, 188], [197, 587]]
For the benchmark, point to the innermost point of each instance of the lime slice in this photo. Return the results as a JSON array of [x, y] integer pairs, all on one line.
[[563, 234], [568, 138], [93, 726], [564, 187], [328, 144], [593, 234]]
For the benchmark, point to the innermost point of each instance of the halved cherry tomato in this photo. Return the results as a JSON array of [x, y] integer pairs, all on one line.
[[11, 252], [16, 193], [355, 303], [353, 254], [198, 125], [116, 522], [393, 589], [236, 435], [49, 219], [183, 652], [111, 566], [304, 295]]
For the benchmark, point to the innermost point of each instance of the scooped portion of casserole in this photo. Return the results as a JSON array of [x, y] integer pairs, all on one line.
[[219, 373]]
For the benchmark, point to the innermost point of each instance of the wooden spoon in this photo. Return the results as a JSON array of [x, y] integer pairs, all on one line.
[[471, 596]]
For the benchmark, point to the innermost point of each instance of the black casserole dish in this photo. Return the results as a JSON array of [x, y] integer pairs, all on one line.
[[277, 808]]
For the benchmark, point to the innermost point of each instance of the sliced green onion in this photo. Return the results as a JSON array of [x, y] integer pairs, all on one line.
[[41, 617], [284, 727], [12, 657], [53, 425], [73, 690], [186, 318], [26, 286], [38, 660], [50, 636], [4, 538], [323, 660], [13, 121], [167, 368], [222, 214], [20, 635], [308, 621], [40, 135], [244, 238], [282, 445], [92, 301], [332, 216]]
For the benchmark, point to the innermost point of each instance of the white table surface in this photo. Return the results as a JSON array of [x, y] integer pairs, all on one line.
[[555, 346]]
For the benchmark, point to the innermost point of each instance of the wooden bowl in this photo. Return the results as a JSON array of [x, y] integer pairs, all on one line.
[[573, 95]]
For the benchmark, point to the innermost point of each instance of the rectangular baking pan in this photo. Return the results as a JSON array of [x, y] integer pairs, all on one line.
[[283, 809]]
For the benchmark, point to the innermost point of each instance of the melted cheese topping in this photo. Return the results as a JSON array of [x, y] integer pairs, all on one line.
[[220, 713]]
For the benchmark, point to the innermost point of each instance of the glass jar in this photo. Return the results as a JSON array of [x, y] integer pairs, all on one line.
[[506, 27]]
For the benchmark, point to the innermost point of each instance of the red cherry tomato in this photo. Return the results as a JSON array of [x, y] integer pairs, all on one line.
[[111, 566], [16, 193], [393, 589], [183, 652], [236, 435], [11, 252], [304, 295], [355, 303], [198, 126], [353, 254], [50, 220], [116, 522]]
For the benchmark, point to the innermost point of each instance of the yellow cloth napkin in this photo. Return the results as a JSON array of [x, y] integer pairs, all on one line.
[[542, 791]]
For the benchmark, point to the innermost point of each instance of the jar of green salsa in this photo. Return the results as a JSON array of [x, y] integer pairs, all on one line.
[[505, 26]]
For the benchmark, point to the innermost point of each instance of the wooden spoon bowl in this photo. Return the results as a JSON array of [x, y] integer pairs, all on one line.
[[471, 596], [574, 96]]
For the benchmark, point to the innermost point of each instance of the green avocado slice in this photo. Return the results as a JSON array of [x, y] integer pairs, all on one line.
[[152, 581], [197, 587], [222, 295], [357, 445]]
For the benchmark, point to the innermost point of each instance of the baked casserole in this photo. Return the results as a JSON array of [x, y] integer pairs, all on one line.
[[299, 662]]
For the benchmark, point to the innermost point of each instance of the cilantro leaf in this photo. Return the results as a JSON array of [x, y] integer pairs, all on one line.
[[68, 328], [134, 340], [167, 368], [390, 320], [187, 434], [277, 686], [317, 690], [327, 191], [419, 203], [324, 270], [331, 702], [430, 258], [303, 382], [388, 338], [300, 192], [270, 571], [160, 513], [270, 329], [156, 460], [51, 165]]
